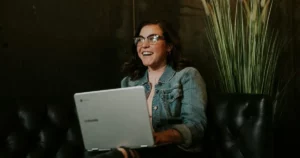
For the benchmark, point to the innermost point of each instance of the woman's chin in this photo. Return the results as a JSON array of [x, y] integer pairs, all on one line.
[[147, 64]]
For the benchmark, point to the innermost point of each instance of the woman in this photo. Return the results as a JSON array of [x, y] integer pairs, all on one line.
[[176, 93]]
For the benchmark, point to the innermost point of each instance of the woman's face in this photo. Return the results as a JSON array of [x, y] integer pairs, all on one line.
[[153, 54]]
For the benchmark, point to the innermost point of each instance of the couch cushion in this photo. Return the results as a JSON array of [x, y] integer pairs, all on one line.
[[241, 125], [39, 128]]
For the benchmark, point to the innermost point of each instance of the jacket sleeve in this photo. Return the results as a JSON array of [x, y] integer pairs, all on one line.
[[193, 108]]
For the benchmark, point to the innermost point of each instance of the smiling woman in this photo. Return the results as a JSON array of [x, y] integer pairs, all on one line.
[[176, 94]]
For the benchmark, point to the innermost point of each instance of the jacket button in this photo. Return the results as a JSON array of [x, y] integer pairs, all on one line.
[[155, 107]]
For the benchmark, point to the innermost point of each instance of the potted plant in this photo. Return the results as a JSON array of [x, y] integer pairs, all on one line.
[[246, 50]]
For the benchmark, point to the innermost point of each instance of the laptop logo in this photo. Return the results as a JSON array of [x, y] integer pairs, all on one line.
[[83, 100], [91, 120]]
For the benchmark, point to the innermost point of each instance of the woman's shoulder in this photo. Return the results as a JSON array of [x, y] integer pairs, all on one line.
[[188, 71], [125, 82]]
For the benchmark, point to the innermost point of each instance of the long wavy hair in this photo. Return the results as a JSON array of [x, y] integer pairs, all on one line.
[[135, 69]]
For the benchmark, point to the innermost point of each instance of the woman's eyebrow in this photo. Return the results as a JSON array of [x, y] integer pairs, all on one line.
[[148, 35]]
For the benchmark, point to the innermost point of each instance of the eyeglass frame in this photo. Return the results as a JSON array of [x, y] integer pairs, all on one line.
[[155, 37]]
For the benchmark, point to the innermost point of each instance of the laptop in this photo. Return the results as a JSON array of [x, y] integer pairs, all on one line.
[[113, 118]]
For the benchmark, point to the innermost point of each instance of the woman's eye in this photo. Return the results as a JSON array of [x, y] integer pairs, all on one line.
[[153, 39], [138, 40]]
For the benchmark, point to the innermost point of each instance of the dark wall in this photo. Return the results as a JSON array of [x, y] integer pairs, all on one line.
[[287, 19], [56, 47]]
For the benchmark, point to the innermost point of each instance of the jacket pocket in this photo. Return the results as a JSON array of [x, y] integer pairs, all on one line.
[[172, 101]]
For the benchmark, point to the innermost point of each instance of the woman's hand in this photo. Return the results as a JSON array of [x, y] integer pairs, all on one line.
[[168, 136], [161, 138]]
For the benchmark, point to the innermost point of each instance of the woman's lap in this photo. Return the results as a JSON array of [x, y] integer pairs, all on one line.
[[167, 151]]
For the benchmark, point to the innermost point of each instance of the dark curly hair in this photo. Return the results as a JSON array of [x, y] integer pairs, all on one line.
[[135, 69]]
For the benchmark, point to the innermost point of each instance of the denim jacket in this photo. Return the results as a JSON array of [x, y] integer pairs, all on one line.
[[179, 103]]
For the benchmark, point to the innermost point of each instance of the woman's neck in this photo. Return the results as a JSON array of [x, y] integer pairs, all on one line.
[[154, 74]]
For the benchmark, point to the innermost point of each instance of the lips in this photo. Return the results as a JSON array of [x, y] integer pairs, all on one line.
[[147, 53]]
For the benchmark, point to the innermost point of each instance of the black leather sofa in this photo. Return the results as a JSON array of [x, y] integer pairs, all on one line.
[[239, 126], [39, 128]]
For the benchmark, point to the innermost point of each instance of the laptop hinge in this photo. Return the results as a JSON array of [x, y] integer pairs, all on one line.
[[97, 149]]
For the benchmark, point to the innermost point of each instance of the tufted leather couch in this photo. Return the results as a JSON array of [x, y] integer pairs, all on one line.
[[39, 128], [239, 126]]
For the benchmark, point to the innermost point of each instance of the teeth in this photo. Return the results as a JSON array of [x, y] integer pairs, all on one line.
[[147, 53]]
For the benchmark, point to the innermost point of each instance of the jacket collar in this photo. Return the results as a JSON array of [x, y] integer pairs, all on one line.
[[165, 77]]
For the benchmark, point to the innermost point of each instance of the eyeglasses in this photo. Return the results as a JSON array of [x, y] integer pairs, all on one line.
[[152, 39]]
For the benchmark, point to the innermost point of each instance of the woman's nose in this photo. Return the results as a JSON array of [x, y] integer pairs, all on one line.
[[146, 43]]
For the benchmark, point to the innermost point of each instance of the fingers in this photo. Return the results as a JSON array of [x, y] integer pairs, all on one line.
[[158, 138]]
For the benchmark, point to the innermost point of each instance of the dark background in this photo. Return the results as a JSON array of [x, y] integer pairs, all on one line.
[[54, 48]]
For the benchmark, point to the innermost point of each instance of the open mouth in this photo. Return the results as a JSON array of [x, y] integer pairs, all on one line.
[[147, 53]]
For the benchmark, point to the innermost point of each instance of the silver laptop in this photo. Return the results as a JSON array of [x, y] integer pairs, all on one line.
[[114, 118]]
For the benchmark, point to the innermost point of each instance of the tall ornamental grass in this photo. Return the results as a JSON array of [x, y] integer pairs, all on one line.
[[245, 48]]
